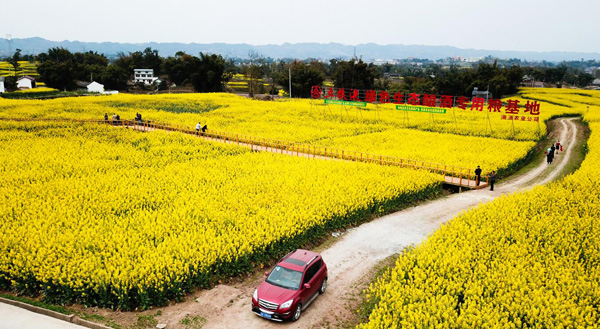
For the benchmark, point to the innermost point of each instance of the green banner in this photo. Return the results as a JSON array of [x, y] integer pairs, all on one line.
[[349, 103], [421, 109]]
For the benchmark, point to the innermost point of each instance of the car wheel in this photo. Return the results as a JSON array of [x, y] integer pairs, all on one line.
[[323, 286], [297, 312]]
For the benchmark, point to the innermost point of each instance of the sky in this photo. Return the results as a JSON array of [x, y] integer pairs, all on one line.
[[522, 25]]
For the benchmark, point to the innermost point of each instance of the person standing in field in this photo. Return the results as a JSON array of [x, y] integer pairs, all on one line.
[[492, 178], [477, 175]]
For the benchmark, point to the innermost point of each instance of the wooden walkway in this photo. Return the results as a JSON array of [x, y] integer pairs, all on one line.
[[465, 182], [460, 179]]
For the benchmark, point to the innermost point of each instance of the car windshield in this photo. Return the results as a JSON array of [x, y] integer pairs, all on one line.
[[285, 278]]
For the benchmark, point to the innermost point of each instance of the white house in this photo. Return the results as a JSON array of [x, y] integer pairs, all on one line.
[[25, 82], [144, 75], [95, 87], [2, 85]]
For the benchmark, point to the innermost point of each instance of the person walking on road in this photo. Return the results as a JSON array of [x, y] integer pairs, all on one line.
[[492, 178], [549, 156], [198, 126], [558, 146], [477, 175]]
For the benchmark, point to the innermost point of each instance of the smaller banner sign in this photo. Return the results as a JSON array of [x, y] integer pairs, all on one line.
[[349, 103], [421, 109]]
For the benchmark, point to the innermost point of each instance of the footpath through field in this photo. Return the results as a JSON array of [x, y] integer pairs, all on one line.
[[353, 256]]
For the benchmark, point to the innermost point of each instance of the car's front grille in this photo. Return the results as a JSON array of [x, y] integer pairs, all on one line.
[[267, 305]]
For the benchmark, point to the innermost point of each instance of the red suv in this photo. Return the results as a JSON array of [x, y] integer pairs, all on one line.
[[297, 279]]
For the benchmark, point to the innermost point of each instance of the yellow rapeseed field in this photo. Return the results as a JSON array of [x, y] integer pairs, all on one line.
[[36, 90], [383, 131], [25, 68], [526, 260], [119, 218], [238, 114]]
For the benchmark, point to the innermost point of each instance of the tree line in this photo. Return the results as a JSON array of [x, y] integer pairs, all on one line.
[[359, 75], [60, 69]]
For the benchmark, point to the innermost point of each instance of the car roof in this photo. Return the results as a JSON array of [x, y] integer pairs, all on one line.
[[298, 259]]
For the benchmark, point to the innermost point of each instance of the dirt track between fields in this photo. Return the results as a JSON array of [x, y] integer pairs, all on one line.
[[351, 258]]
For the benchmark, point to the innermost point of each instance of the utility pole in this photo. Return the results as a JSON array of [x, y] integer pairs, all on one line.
[[290, 76], [9, 41]]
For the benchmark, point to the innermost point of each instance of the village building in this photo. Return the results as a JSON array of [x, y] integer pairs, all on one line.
[[529, 81], [144, 75], [538, 84], [25, 82], [95, 87], [2, 85]]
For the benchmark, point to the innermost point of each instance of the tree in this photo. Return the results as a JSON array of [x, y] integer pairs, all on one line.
[[14, 61], [114, 77], [584, 80], [254, 70], [181, 67], [353, 74], [209, 76], [60, 68], [206, 73], [419, 85], [152, 60], [57, 69], [514, 75], [454, 81], [10, 83], [556, 74], [303, 78], [89, 66]]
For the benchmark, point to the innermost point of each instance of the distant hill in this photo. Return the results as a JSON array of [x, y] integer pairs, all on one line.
[[369, 51]]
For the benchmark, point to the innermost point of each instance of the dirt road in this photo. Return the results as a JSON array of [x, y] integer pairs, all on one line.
[[354, 255]]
